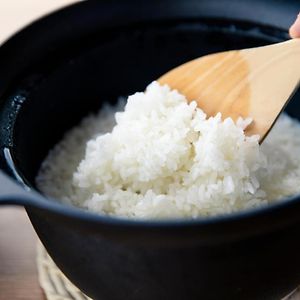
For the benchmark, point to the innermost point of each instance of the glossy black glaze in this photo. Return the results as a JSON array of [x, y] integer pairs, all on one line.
[[69, 64]]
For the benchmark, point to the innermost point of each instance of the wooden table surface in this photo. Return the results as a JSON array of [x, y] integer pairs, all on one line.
[[18, 272]]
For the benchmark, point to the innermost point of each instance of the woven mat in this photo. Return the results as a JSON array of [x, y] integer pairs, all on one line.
[[54, 283], [57, 287]]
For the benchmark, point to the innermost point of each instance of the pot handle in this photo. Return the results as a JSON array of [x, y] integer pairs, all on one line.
[[12, 193]]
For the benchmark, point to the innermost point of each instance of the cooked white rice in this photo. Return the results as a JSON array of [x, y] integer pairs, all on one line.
[[163, 158]]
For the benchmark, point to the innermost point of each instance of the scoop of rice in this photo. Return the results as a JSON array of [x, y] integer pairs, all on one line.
[[165, 159]]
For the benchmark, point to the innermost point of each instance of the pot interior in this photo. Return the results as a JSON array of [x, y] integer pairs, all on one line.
[[56, 93]]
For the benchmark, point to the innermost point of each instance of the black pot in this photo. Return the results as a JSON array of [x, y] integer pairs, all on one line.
[[62, 67]]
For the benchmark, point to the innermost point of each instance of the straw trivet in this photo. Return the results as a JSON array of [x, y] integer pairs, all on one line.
[[54, 283], [58, 287]]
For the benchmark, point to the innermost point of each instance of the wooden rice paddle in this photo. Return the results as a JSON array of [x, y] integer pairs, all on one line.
[[255, 83]]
